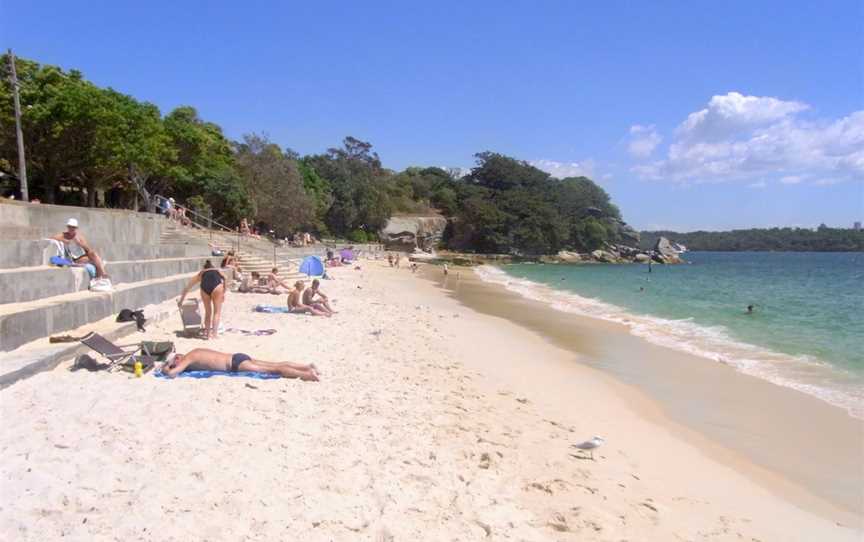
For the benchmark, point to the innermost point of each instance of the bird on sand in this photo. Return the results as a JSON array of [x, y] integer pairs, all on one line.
[[590, 445]]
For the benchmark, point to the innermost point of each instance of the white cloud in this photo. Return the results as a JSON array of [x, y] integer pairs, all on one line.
[[827, 182], [741, 137], [757, 184], [791, 179], [726, 115], [643, 140], [562, 170]]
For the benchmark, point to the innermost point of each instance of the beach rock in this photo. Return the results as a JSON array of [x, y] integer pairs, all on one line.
[[605, 256], [664, 252], [628, 235], [410, 232], [566, 256], [641, 258], [627, 251]]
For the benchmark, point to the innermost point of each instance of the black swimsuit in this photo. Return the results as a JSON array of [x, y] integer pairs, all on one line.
[[236, 360], [210, 280]]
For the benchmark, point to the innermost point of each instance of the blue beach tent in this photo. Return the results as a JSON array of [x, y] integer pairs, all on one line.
[[312, 266]]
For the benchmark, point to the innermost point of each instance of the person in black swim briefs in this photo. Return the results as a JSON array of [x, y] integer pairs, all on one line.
[[213, 290], [202, 359]]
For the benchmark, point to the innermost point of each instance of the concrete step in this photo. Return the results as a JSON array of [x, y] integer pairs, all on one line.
[[21, 323], [42, 355], [31, 283], [30, 253]]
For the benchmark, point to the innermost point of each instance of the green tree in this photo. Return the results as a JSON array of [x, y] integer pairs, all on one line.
[[203, 164], [275, 185], [358, 187]]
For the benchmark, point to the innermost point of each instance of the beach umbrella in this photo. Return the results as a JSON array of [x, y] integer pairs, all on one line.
[[347, 254], [312, 266]]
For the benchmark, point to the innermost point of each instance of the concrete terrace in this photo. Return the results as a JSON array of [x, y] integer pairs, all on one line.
[[148, 257]]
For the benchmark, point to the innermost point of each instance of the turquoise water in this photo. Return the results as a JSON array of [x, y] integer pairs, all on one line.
[[807, 330]]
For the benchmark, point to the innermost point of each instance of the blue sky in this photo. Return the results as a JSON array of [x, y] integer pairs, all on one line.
[[691, 114]]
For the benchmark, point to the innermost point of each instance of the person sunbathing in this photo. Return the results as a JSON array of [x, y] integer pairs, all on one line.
[[78, 249], [252, 284], [323, 302], [202, 359], [295, 302]]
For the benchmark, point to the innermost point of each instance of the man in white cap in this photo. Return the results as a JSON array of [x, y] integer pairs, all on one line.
[[78, 249]]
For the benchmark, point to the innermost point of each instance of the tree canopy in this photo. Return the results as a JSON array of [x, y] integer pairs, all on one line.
[[822, 239], [95, 146], [509, 206]]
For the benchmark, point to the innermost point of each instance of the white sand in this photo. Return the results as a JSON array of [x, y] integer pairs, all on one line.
[[431, 422]]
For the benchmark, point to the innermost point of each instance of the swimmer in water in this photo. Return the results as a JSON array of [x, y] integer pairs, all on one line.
[[750, 309]]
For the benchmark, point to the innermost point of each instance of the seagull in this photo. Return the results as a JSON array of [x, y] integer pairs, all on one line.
[[590, 445]]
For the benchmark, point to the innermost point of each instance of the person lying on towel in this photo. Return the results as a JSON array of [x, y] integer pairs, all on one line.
[[202, 359]]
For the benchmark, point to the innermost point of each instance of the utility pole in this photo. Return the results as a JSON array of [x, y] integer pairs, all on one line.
[[22, 162]]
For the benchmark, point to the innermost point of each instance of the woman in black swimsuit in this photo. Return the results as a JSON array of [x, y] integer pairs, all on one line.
[[212, 294]]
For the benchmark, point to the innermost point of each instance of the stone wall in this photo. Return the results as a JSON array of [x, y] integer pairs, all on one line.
[[20, 221]]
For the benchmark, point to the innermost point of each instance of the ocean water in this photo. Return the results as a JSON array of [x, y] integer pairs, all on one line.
[[806, 333]]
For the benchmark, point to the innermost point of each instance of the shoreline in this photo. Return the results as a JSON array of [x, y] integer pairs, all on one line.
[[431, 421], [719, 409]]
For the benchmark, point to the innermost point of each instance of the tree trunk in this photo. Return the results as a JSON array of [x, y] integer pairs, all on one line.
[[91, 193], [49, 185], [139, 180]]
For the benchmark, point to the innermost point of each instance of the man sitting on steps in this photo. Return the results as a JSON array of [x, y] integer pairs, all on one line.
[[78, 249]]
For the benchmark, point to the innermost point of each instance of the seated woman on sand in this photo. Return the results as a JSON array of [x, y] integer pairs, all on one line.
[[274, 281], [229, 260], [295, 302], [213, 290], [202, 359]]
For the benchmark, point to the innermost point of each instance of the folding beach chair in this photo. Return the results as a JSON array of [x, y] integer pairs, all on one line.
[[116, 355], [191, 317]]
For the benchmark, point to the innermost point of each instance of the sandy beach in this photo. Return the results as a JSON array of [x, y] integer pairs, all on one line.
[[432, 421]]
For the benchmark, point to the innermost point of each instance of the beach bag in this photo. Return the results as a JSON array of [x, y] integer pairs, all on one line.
[[159, 351], [128, 315]]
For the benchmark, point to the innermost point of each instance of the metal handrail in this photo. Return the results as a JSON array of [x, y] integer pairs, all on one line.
[[208, 223]]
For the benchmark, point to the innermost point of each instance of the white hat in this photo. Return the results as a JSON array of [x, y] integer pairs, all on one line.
[[72, 222], [171, 200]]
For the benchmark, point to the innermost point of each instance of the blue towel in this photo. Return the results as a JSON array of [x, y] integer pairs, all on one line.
[[271, 309], [62, 262], [208, 374]]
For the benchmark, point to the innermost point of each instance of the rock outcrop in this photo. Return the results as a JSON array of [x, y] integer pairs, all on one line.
[[410, 232], [664, 252], [604, 256]]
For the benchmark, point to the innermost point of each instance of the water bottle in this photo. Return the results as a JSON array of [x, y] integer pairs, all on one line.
[[139, 368]]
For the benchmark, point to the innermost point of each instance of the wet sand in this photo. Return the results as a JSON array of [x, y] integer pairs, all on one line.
[[796, 445]]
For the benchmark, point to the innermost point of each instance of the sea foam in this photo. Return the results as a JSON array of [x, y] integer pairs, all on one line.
[[802, 373]]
